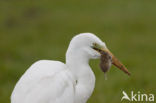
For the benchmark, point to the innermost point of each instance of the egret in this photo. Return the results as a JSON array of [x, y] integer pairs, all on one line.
[[48, 81]]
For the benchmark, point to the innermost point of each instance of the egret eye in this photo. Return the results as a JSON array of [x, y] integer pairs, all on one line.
[[96, 47]]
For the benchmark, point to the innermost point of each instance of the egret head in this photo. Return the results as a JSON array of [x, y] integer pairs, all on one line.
[[83, 44], [87, 45]]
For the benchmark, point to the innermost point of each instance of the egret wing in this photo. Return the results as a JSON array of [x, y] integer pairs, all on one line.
[[45, 82]]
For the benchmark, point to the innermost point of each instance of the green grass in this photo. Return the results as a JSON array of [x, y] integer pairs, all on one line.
[[41, 29]]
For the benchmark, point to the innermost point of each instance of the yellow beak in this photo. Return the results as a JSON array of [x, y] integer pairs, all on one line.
[[116, 62]]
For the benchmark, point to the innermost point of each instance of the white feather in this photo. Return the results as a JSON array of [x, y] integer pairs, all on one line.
[[55, 82]]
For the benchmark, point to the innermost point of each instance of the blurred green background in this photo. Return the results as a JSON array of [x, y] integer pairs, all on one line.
[[32, 30]]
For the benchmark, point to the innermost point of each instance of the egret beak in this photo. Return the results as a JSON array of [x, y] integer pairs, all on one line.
[[116, 62]]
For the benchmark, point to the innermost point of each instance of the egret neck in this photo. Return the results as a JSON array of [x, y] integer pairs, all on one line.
[[78, 63]]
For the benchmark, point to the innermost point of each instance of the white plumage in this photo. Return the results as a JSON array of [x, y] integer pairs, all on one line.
[[45, 82], [48, 81]]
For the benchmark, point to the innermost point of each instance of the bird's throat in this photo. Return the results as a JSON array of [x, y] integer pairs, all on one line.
[[84, 76]]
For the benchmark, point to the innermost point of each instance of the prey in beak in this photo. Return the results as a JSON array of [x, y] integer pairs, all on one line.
[[105, 61], [107, 58]]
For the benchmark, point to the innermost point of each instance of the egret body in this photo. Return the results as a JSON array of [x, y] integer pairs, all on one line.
[[48, 81]]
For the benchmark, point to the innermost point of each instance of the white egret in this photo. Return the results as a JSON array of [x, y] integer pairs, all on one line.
[[48, 81]]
